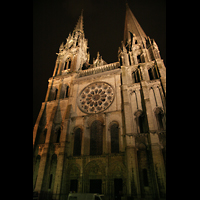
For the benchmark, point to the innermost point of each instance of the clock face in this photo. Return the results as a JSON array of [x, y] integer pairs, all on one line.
[[96, 97]]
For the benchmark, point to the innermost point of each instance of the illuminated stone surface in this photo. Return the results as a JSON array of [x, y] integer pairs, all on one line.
[[102, 126]]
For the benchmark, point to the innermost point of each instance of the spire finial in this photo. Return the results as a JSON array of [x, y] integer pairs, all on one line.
[[79, 25], [132, 26]]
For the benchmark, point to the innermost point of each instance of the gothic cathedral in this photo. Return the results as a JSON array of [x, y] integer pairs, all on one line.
[[102, 126]]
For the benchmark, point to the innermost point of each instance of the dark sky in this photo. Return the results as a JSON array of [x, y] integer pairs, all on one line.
[[53, 20]]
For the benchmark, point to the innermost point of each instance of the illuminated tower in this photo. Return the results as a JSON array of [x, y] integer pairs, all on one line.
[[101, 128], [144, 93]]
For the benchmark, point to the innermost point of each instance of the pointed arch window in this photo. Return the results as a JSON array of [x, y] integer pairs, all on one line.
[[77, 141], [96, 138], [114, 131], [140, 121], [136, 76], [67, 64], [153, 73]]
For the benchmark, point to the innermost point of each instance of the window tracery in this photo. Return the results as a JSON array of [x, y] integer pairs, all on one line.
[[96, 97]]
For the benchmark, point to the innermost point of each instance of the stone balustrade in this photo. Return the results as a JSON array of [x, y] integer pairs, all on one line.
[[99, 69]]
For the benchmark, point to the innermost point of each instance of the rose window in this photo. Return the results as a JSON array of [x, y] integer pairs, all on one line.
[[96, 97]]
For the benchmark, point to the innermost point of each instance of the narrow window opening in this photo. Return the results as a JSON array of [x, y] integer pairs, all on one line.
[[129, 56], [55, 95], [50, 181], [145, 177], [150, 74], [114, 138], [138, 59], [140, 123], [77, 142], [69, 64], [67, 91], [58, 135]]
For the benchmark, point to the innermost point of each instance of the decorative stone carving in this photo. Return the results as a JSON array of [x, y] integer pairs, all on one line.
[[96, 97]]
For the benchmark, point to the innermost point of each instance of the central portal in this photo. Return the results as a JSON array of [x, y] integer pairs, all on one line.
[[95, 186], [118, 188]]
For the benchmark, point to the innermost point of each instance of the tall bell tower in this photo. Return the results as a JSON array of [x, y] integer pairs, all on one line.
[[73, 54], [144, 93]]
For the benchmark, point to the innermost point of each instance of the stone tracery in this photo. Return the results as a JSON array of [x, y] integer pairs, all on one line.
[[96, 97]]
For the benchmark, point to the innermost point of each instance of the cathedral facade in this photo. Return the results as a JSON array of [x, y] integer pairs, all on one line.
[[102, 127]]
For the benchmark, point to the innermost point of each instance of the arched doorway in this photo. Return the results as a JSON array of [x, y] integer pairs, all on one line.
[[94, 177]]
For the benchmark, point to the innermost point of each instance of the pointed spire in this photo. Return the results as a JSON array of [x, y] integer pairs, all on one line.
[[79, 25], [132, 25]]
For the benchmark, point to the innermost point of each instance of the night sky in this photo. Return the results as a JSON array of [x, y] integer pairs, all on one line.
[[53, 20]]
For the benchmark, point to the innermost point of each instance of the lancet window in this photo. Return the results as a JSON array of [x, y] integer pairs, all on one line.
[[96, 138], [153, 73], [77, 141], [114, 131], [136, 76], [67, 64]]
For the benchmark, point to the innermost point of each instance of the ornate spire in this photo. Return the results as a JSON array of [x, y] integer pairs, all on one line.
[[79, 25], [132, 25]]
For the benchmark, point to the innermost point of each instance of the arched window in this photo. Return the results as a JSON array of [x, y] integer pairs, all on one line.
[[67, 64], [153, 73], [77, 142], [138, 59], [140, 121], [96, 138], [114, 131], [136, 76]]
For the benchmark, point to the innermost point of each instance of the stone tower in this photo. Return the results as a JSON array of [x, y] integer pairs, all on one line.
[[101, 128]]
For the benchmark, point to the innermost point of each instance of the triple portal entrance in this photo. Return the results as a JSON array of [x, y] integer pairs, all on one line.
[[96, 186]]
